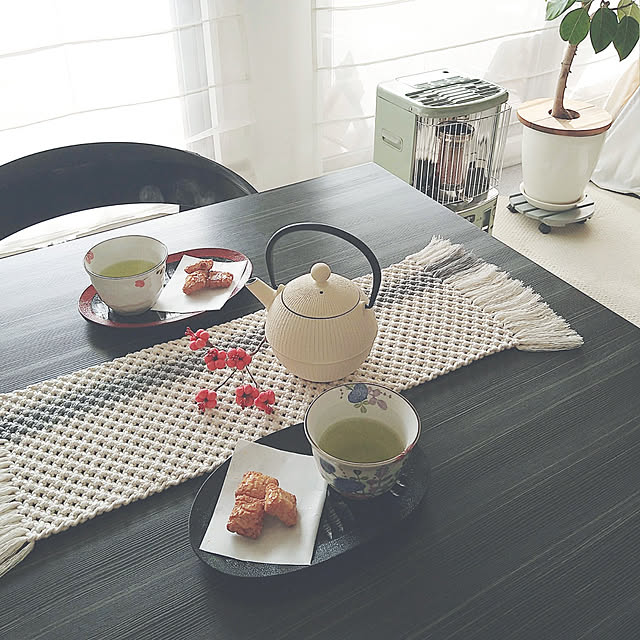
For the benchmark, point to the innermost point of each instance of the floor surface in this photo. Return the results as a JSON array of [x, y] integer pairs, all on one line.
[[600, 257]]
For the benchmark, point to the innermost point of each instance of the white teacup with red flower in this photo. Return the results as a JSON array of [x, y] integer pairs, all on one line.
[[360, 434], [127, 272]]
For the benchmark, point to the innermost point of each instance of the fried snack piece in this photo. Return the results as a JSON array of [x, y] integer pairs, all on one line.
[[255, 484], [246, 517], [281, 504], [203, 265], [194, 282], [219, 279]]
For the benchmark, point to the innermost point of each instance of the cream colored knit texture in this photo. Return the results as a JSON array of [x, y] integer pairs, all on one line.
[[127, 447]]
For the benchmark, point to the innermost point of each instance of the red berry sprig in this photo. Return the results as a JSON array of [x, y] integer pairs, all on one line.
[[197, 340], [215, 359], [206, 399], [237, 359], [264, 401], [246, 395]]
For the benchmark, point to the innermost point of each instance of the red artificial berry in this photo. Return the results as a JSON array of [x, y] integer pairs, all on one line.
[[238, 358], [215, 359], [246, 394], [264, 401], [206, 399], [197, 340]]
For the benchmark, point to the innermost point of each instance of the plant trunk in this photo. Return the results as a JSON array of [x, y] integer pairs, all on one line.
[[558, 110]]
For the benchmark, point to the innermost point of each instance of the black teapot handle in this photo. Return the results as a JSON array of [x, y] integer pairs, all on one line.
[[334, 231]]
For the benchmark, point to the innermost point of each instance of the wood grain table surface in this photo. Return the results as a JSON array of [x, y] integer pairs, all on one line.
[[530, 529]]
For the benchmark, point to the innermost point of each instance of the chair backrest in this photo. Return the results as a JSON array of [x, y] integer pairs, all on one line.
[[52, 183]]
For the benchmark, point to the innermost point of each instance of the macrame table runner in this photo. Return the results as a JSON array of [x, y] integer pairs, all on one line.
[[86, 443]]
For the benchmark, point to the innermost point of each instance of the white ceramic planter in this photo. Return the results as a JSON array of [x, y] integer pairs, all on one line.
[[559, 156], [557, 168]]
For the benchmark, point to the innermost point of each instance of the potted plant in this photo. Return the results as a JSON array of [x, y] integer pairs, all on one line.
[[562, 138]]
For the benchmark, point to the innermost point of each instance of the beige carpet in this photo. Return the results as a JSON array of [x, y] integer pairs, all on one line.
[[600, 257]]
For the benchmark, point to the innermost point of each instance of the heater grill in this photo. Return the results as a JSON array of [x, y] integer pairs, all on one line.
[[444, 134], [457, 90]]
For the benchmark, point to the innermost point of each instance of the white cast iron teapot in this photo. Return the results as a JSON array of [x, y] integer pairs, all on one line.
[[320, 325]]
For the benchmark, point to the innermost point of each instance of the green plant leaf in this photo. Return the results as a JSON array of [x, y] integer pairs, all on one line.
[[631, 10], [557, 7], [604, 25], [626, 37], [575, 26]]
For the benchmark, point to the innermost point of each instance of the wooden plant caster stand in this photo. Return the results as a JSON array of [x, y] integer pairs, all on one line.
[[579, 213]]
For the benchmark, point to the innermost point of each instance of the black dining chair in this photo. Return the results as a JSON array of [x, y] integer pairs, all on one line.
[[55, 182]]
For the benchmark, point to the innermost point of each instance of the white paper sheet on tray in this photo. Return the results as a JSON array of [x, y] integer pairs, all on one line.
[[172, 298], [277, 544]]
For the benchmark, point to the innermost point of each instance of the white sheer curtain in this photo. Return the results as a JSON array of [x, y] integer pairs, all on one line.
[[75, 71], [277, 91]]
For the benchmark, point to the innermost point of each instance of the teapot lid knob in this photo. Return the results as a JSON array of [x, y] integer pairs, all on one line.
[[320, 272]]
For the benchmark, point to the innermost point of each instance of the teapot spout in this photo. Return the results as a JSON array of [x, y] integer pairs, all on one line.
[[262, 291]]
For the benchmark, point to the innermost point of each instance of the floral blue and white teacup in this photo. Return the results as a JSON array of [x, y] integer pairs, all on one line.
[[334, 410]]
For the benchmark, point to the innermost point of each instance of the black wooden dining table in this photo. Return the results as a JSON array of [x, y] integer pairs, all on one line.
[[531, 524]]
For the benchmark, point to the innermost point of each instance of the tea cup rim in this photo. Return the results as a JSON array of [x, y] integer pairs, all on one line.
[[134, 275], [367, 465]]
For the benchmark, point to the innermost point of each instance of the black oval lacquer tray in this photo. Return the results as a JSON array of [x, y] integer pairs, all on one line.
[[344, 524]]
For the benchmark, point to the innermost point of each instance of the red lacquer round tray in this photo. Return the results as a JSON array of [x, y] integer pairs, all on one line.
[[94, 310]]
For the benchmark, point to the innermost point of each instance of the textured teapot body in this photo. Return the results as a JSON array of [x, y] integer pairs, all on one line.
[[320, 349], [319, 326]]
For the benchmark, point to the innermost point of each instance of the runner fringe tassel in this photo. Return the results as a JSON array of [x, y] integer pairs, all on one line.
[[14, 543], [523, 312]]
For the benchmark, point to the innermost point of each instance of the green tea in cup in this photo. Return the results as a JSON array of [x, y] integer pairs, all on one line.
[[359, 439], [125, 268]]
